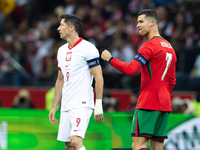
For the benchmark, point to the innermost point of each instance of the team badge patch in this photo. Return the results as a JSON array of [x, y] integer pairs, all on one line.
[[68, 56]]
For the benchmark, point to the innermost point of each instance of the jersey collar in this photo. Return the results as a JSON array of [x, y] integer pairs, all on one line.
[[157, 36], [77, 42]]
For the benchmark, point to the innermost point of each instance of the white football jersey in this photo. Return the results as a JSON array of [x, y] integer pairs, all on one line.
[[75, 64]]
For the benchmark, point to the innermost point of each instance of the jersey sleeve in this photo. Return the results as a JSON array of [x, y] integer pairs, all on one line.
[[129, 69], [92, 52], [197, 61], [144, 54], [92, 56], [59, 66], [146, 50], [172, 80]]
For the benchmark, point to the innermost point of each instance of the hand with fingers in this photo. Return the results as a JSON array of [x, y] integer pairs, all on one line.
[[106, 55], [52, 118], [98, 118], [98, 111]]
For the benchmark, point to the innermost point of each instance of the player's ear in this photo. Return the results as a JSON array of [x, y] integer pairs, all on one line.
[[72, 27], [153, 23]]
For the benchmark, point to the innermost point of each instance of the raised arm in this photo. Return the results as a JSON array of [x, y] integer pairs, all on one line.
[[57, 97], [129, 69], [97, 73]]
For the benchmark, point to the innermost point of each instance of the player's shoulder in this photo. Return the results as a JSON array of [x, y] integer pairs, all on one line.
[[157, 42], [148, 44], [156, 39], [87, 43], [88, 46], [63, 46], [62, 49]]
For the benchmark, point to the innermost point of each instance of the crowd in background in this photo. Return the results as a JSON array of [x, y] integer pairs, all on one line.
[[29, 38]]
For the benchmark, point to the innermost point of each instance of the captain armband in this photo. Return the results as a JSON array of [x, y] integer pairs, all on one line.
[[93, 62], [141, 59]]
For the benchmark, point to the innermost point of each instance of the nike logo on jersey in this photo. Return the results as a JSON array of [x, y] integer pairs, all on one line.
[[76, 130], [66, 66]]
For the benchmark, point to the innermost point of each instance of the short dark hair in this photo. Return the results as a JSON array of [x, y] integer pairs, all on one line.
[[71, 19], [149, 13]]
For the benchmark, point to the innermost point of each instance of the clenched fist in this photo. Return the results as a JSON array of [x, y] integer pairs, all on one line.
[[106, 55]]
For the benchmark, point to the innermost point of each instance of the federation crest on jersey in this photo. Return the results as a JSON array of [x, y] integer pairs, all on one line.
[[68, 56]]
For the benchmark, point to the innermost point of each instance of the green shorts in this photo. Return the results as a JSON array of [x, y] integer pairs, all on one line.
[[151, 124]]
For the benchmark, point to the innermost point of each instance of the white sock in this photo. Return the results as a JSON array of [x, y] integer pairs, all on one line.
[[82, 148]]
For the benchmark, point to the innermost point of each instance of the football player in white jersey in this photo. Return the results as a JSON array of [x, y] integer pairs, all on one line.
[[78, 63]]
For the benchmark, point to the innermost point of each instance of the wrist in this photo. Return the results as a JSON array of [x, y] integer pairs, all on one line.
[[98, 99], [111, 58], [98, 107], [98, 102]]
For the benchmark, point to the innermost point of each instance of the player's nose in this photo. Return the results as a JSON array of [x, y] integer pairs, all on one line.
[[137, 25]]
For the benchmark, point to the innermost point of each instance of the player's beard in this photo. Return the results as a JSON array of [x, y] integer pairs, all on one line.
[[143, 33], [140, 32], [63, 37]]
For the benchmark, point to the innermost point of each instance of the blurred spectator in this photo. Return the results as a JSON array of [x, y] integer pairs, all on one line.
[[196, 104], [163, 21], [177, 27], [82, 12], [46, 6], [191, 37], [55, 22], [163, 2], [6, 69], [49, 99], [194, 82], [6, 7], [97, 37], [110, 28], [116, 12], [50, 66], [123, 51], [43, 45], [110, 104], [175, 32], [195, 72], [15, 66], [25, 10], [132, 31], [22, 100], [70, 6], [133, 100], [136, 5], [33, 24], [182, 106], [19, 54], [94, 20]]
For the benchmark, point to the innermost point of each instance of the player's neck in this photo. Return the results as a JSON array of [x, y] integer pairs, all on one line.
[[152, 33], [72, 40]]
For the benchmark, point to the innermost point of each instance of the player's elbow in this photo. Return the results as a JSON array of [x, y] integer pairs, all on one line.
[[171, 87], [131, 72]]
